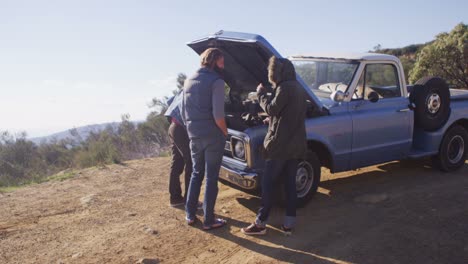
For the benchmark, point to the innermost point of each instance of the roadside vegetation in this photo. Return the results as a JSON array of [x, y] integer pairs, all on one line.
[[23, 162], [445, 57]]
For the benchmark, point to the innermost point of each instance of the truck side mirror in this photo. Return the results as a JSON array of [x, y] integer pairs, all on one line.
[[337, 96], [373, 97]]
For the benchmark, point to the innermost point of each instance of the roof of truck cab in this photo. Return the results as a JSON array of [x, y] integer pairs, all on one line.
[[348, 56]]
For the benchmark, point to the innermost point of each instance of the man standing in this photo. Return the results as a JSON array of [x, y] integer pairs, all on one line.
[[285, 142], [180, 151], [206, 127]]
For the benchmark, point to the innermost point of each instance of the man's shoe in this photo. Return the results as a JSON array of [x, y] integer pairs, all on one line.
[[254, 230], [218, 222], [177, 202], [190, 221], [287, 231]]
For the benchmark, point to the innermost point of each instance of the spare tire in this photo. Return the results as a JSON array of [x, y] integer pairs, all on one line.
[[431, 96]]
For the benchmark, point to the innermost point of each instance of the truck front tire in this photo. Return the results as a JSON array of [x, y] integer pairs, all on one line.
[[307, 181], [453, 149], [307, 178], [431, 95]]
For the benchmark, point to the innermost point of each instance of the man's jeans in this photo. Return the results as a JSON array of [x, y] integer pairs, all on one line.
[[206, 153], [181, 158], [285, 172]]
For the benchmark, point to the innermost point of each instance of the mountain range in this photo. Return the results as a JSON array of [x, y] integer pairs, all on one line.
[[83, 132]]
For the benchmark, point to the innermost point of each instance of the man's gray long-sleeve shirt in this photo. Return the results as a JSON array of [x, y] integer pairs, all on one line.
[[218, 99]]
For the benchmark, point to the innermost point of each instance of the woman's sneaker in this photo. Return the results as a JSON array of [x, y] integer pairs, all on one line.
[[254, 230], [287, 231]]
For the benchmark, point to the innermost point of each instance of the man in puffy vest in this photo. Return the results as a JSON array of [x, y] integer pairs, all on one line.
[[203, 114]]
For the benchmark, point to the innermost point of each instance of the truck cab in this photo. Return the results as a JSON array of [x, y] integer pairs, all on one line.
[[369, 90]]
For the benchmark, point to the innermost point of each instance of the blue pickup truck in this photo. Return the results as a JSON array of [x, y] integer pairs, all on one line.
[[360, 113]]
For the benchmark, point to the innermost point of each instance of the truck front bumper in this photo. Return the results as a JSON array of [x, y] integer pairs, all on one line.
[[245, 180]]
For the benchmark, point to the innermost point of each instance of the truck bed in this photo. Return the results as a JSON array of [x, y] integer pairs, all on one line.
[[458, 94]]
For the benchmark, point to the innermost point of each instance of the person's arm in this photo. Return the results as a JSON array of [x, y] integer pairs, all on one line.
[[218, 105], [221, 123], [274, 106]]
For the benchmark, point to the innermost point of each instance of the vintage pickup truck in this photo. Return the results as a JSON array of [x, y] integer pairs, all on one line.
[[361, 113]]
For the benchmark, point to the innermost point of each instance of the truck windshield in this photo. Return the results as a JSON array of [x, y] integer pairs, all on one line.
[[325, 76]]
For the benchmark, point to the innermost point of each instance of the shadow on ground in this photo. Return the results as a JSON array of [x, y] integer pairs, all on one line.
[[420, 216]]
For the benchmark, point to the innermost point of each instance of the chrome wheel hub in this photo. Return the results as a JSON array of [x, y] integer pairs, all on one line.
[[433, 103], [304, 178], [456, 149]]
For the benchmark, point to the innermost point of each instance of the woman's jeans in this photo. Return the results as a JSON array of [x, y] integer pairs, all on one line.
[[206, 153], [284, 171]]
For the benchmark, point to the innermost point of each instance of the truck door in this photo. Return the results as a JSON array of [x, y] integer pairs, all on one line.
[[382, 129]]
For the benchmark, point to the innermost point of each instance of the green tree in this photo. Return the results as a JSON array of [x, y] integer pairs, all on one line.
[[127, 136], [180, 82], [99, 149], [57, 154], [446, 57], [408, 65], [20, 160], [155, 129], [377, 47]]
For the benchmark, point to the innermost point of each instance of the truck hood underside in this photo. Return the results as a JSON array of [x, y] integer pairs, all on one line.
[[246, 59]]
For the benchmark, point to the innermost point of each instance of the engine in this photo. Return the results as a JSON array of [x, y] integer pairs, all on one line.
[[245, 113]]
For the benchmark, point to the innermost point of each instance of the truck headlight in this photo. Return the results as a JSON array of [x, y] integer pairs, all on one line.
[[239, 149]]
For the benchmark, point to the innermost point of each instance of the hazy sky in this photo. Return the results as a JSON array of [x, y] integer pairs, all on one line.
[[67, 63]]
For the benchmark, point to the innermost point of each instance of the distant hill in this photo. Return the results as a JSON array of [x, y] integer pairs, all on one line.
[[83, 132], [408, 51]]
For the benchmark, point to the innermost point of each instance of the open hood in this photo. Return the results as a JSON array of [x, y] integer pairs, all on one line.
[[246, 60]]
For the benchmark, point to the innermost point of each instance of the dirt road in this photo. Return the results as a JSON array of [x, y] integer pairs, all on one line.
[[392, 213]]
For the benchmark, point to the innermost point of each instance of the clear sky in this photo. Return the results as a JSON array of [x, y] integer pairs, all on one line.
[[69, 63]]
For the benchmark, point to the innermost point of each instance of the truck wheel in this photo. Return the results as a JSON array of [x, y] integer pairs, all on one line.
[[307, 178], [453, 149], [431, 95]]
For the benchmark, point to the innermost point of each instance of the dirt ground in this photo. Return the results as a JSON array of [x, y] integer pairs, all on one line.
[[400, 212]]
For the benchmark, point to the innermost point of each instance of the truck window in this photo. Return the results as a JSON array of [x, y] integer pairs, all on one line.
[[325, 77], [379, 78]]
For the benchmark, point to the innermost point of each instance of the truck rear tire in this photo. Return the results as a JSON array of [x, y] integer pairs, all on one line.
[[452, 150], [431, 95]]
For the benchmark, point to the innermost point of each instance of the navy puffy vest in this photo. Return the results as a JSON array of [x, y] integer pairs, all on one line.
[[198, 105]]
